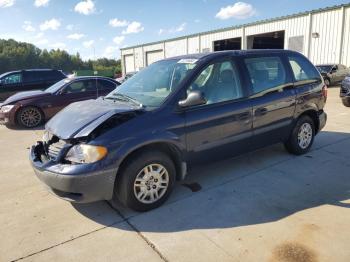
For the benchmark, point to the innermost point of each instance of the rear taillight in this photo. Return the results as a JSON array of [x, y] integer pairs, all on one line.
[[324, 92]]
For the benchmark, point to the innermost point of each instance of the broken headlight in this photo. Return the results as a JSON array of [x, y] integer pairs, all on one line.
[[86, 154]]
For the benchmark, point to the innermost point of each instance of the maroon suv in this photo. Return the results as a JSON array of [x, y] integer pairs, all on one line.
[[32, 108]]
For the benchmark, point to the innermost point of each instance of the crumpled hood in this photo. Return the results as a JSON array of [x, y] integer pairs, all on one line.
[[25, 95], [81, 118]]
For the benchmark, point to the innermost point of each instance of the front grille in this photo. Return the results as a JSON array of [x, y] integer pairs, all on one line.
[[55, 148]]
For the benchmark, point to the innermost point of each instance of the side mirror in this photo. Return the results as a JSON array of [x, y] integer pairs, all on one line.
[[194, 98]]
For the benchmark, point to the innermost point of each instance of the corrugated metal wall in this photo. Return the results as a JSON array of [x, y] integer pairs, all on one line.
[[330, 44]]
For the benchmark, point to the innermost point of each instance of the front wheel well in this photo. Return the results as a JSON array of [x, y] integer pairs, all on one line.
[[169, 149], [313, 114]]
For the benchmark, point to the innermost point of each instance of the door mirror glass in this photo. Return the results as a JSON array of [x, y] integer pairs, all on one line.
[[194, 98]]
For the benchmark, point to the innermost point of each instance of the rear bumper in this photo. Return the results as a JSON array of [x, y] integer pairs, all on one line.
[[71, 182]]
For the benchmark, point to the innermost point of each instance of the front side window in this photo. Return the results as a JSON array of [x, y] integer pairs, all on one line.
[[152, 85], [219, 82], [81, 86], [12, 79], [324, 68], [303, 70], [106, 85], [265, 73]]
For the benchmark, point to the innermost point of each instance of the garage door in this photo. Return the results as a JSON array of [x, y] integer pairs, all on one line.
[[129, 63], [154, 56]]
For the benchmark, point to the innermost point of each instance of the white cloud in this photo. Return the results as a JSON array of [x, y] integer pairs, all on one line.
[[86, 7], [133, 28], [27, 26], [111, 52], [88, 44], [75, 36], [40, 3], [52, 24], [173, 30], [239, 10], [58, 46], [180, 28], [43, 41], [6, 3], [118, 39], [118, 23], [39, 35]]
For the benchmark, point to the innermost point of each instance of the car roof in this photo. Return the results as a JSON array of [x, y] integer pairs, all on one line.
[[232, 52], [32, 70], [91, 77]]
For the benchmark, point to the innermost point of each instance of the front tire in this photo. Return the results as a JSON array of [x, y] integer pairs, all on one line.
[[346, 102], [30, 117], [327, 82], [302, 136], [146, 181]]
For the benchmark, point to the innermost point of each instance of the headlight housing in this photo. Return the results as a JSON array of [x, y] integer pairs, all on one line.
[[6, 109], [82, 153]]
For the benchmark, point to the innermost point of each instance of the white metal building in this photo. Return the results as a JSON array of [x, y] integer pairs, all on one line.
[[323, 35]]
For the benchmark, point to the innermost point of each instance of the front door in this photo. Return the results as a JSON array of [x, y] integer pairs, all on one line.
[[223, 125], [79, 90]]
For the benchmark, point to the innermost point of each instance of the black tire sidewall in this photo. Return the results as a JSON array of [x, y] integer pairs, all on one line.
[[292, 144], [346, 102], [327, 80], [124, 189], [18, 116]]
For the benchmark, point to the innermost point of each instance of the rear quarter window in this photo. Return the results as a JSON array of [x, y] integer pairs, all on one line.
[[303, 70]]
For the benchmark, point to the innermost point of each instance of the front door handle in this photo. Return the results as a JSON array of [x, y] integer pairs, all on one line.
[[244, 116], [261, 111]]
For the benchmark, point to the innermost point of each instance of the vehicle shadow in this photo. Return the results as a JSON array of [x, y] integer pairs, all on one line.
[[18, 128], [265, 193]]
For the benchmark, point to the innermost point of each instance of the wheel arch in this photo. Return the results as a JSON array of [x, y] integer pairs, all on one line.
[[167, 148], [313, 114]]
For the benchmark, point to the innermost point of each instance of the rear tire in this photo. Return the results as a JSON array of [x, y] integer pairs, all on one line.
[[30, 117], [146, 181], [302, 136]]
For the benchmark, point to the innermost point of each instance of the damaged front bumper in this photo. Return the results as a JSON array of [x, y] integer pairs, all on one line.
[[81, 183]]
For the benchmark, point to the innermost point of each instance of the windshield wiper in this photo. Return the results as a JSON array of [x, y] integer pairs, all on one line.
[[125, 98]]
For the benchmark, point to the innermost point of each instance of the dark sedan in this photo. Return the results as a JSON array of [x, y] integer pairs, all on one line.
[[32, 108], [332, 73], [345, 91]]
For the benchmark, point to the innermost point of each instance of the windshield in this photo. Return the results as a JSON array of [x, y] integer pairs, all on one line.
[[151, 86], [55, 87], [324, 69]]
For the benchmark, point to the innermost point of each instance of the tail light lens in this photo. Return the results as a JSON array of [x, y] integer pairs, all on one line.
[[324, 92]]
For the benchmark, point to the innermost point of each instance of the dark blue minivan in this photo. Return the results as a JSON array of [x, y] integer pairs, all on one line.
[[133, 144]]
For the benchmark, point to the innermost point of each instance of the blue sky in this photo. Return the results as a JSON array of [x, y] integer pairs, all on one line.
[[97, 28]]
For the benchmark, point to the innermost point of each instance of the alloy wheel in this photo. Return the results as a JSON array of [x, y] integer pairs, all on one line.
[[30, 117], [305, 135], [151, 183]]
